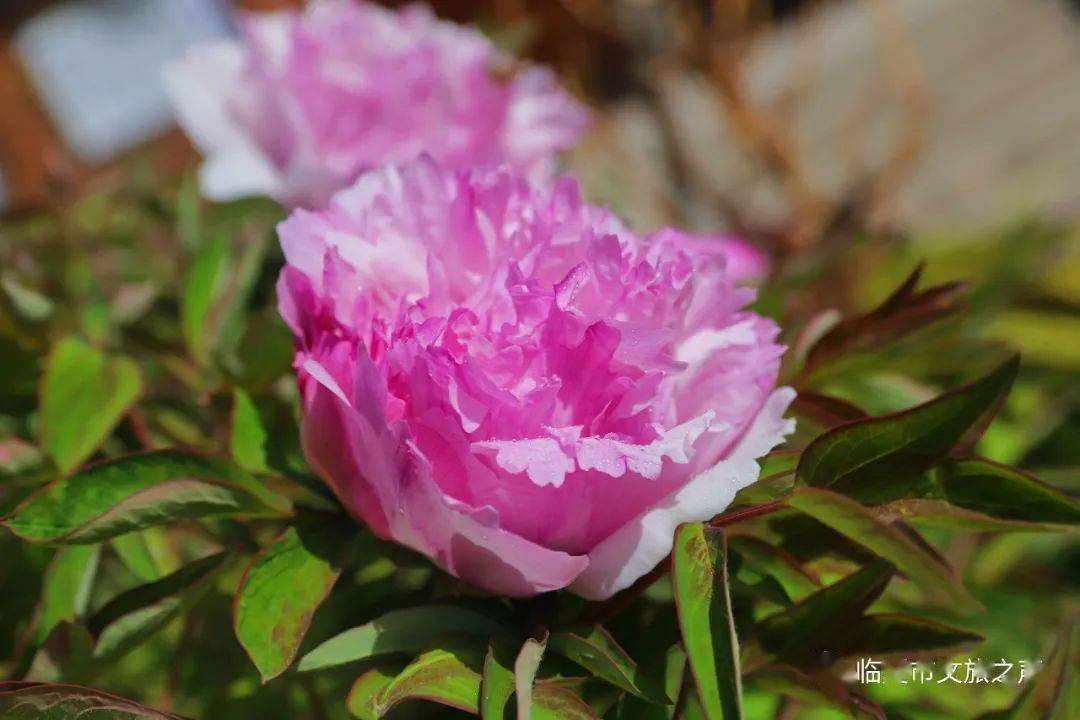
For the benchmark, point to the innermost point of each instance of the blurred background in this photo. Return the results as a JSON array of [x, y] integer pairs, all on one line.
[[853, 139], [915, 114]]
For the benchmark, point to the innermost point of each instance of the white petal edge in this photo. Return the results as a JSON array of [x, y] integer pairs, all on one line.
[[199, 86], [635, 548]]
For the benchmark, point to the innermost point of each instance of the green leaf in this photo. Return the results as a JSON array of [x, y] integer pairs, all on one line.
[[140, 491], [1006, 493], [902, 635], [874, 460], [42, 701], [825, 410], [1043, 338], [264, 439], [66, 590], [65, 655], [248, 437], [902, 313], [206, 283], [811, 629], [219, 285], [447, 675], [189, 222], [84, 394], [498, 681], [858, 523], [774, 481], [281, 590], [398, 631], [692, 709], [1052, 693], [135, 553], [819, 689], [131, 617], [265, 351], [552, 701], [363, 698], [596, 651], [775, 562], [941, 514], [700, 576], [27, 302]]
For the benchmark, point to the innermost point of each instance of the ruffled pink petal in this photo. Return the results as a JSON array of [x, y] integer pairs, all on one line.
[[389, 484], [638, 546], [298, 109]]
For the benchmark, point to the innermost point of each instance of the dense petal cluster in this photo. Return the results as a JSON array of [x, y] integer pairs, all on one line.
[[302, 103], [506, 379]]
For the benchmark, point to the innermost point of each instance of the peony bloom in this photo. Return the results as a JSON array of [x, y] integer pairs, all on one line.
[[507, 380], [744, 261], [303, 103]]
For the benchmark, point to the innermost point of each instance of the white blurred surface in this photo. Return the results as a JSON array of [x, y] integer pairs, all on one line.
[[96, 65]]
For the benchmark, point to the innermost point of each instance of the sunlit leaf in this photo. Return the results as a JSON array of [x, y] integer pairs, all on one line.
[[398, 631], [84, 394], [248, 436], [498, 681], [136, 555], [552, 701], [815, 689], [206, 282], [140, 491], [363, 698], [281, 590], [447, 675], [66, 591], [700, 575]]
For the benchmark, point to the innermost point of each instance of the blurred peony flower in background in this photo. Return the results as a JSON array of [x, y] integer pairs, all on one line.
[[506, 379], [303, 103]]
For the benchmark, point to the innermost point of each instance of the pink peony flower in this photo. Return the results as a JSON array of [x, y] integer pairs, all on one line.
[[301, 104], [744, 261], [507, 380]]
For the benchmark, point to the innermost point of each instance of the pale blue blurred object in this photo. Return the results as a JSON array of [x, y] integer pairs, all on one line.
[[96, 66]]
